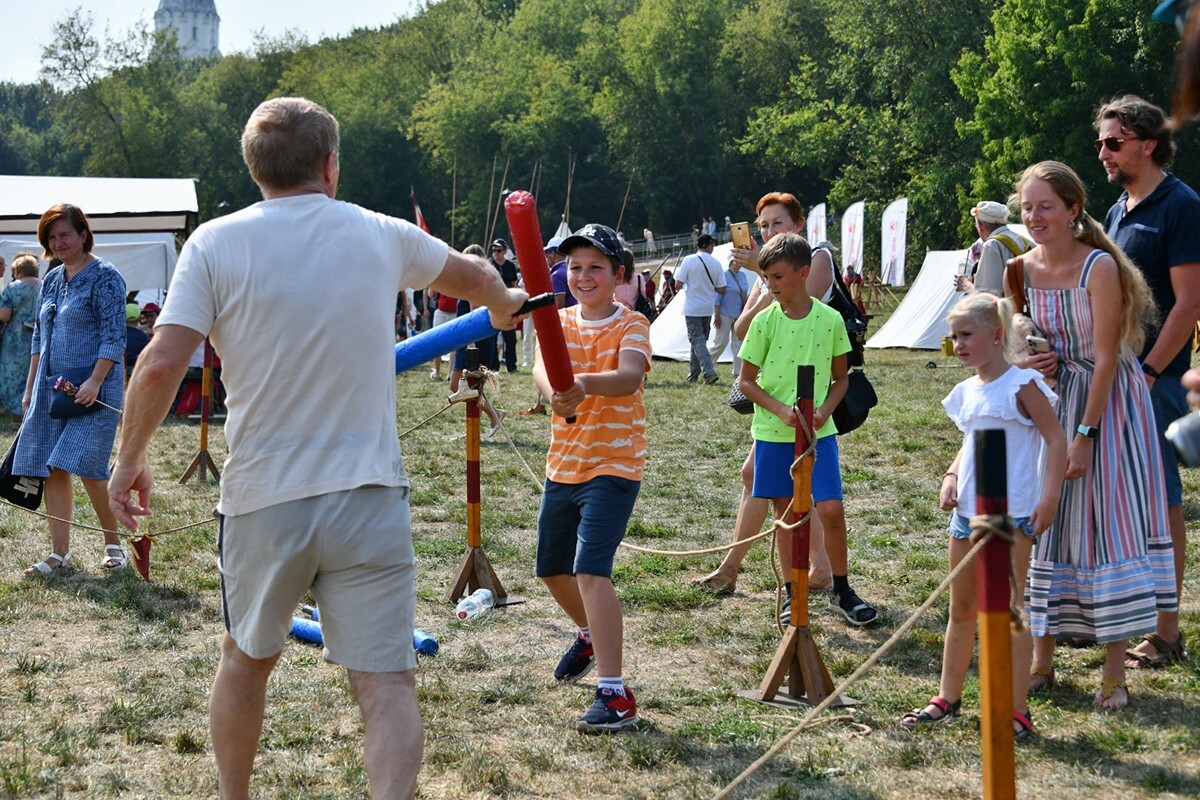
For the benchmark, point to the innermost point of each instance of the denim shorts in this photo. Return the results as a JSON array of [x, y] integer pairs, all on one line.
[[1170, 403], [580, 525], [773, 464], [960, 526]]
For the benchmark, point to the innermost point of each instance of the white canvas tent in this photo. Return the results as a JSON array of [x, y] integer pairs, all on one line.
[[668, 333], [145, 260], [919, 322]]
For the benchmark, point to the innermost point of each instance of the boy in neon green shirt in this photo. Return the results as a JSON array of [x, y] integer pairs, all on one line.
[[794, 331]]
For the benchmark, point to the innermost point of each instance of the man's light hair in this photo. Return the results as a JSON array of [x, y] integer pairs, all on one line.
[[286, 141]]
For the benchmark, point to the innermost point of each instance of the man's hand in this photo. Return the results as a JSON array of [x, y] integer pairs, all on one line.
[[126, 480], [503, 314]]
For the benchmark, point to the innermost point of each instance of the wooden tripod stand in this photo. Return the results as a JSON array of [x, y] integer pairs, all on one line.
[[203, 460], [474, 570], [797, 658]]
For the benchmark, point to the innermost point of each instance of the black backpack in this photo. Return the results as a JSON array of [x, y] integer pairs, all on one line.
[[860, 396], [852, 315]]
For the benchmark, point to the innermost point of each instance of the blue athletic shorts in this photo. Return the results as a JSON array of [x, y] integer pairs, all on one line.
[[1170, 403], [960, 526], [773, 464], [580, 525]]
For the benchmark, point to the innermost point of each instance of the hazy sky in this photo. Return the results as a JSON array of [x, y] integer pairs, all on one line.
[[27, 26]]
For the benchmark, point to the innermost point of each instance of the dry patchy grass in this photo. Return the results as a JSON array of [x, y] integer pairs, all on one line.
[[105, 679]]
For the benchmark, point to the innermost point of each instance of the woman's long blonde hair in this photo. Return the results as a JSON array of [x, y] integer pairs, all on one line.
[[1138, 309]]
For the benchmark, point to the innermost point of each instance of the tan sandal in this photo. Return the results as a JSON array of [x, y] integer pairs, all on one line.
[[1041, 679], [715, 584], [1108, 687]]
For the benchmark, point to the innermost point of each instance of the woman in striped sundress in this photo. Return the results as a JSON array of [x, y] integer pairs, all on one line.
[[1105, 566]]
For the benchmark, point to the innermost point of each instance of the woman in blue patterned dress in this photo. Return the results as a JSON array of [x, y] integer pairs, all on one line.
[[1106, 564], [80, 323], [18, 310]]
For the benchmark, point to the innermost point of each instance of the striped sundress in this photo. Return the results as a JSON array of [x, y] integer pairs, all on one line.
[[1106, 565]]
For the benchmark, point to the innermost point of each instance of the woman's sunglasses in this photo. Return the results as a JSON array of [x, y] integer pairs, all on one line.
[[1113, 144]]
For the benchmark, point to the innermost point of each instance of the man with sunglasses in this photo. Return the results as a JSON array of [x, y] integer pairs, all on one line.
[[1156, 221]]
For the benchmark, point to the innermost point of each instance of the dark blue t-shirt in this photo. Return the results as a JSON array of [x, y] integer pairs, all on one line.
[[1161, 232]]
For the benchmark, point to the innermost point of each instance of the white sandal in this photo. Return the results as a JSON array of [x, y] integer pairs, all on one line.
[[45, 568], [115, 557]]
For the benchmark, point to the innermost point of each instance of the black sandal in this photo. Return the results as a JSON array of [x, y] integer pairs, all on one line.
[[919, 716], [852, 607]]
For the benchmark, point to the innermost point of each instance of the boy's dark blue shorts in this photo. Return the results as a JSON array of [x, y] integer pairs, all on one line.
[[773, 464], [580, 525]]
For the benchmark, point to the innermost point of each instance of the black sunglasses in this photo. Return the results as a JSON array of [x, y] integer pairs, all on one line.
[[1113, 143]]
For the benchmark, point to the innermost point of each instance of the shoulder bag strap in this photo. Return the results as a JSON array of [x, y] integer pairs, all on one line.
[[1014, 283]]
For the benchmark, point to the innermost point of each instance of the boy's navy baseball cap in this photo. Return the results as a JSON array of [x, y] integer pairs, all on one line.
[[601, 237]]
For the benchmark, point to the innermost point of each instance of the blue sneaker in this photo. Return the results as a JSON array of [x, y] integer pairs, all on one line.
[[611, 711], [576, 662]]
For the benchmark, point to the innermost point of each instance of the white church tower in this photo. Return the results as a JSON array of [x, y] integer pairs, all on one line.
[[196, 23]]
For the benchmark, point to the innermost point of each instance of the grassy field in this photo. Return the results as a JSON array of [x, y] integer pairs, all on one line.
[[105, 678]]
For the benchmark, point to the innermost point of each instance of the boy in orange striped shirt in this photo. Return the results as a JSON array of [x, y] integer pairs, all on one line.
[[594, 468]]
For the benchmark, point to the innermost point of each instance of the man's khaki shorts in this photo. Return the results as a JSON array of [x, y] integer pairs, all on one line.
[[353, 550]]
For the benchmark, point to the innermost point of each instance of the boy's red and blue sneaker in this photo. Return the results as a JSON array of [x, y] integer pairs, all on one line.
[[576, 662], [611, 711]]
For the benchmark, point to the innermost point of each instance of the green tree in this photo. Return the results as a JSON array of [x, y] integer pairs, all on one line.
[[1047, 68]]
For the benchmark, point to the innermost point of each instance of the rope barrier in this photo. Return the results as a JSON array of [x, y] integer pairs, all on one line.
[[86, 527], [871, 661]]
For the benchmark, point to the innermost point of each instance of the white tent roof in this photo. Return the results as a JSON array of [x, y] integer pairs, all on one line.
[[668, 332], [112, 204], [145, 260], [920, 320]]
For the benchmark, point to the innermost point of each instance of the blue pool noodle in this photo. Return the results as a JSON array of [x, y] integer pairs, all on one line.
[[437, 342], [309, 630]]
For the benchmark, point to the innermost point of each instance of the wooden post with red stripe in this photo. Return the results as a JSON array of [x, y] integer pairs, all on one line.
[[796, 657], [993, 567], [203, 460], [474, 570]]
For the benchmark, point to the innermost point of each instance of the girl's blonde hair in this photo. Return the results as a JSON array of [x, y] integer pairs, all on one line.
[[989, 311], [1138, 311]]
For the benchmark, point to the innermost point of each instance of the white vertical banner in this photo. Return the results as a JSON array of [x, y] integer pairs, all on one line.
[[852, 237], [895, 239], [816, 224]]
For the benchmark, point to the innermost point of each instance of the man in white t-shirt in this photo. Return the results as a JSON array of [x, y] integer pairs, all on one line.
[[314, 495], [705, 281]]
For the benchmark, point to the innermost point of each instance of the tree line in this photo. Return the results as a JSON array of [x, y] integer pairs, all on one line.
[[667, 109]]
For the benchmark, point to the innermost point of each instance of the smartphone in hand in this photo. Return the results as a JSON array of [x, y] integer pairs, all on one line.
[[739, 233]]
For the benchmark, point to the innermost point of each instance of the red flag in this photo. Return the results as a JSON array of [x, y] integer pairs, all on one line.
[[419, 217]]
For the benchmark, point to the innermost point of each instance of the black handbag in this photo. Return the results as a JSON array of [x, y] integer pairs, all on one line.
[[856, 405], [738, 401], [62, 403], [642, 304], [21, 490]]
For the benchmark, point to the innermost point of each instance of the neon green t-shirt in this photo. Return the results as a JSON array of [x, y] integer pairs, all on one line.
[[777, 345]]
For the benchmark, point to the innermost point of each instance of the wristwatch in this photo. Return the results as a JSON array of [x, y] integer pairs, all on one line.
[[1088, 431], [1151, 371]]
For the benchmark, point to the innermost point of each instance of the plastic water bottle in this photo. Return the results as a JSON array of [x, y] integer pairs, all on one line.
[[423, 643], [474, 604]]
